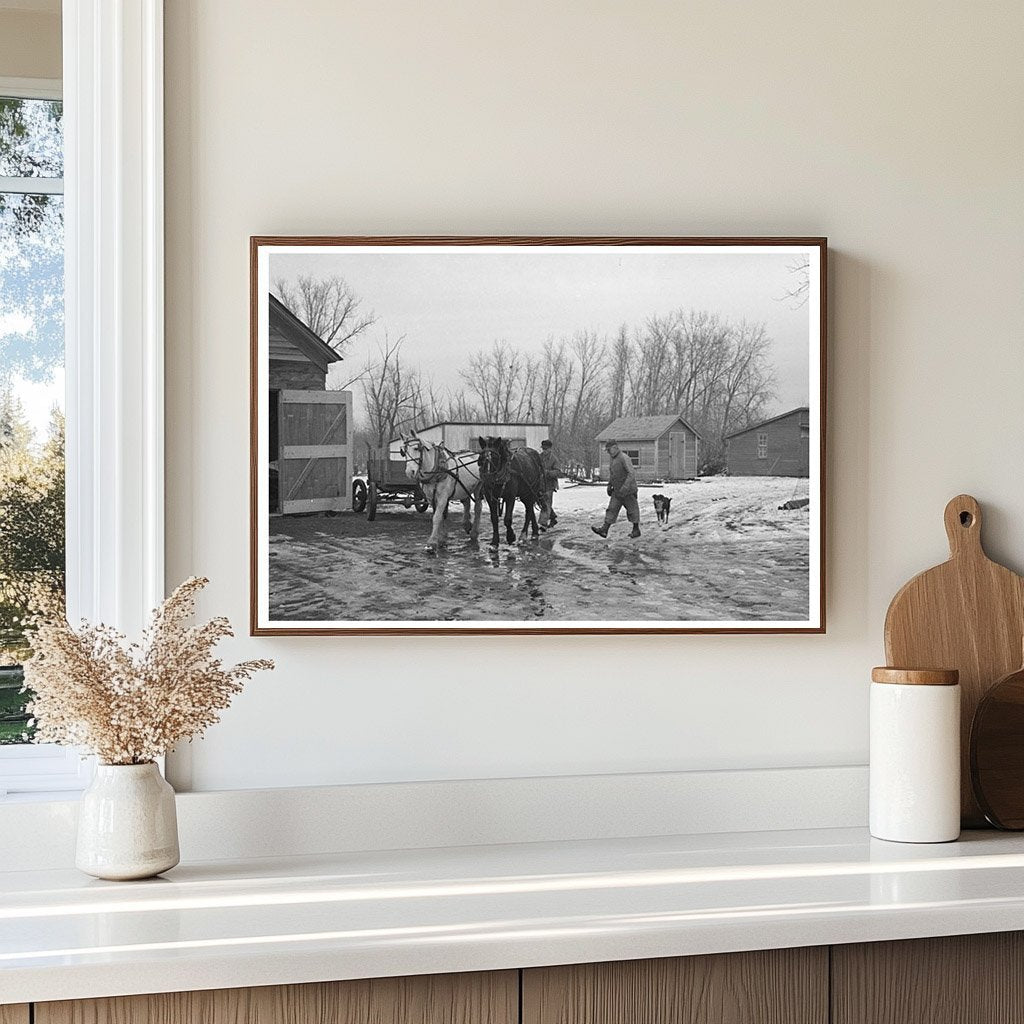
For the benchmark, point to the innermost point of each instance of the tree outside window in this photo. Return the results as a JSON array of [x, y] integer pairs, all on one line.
[[31, 386]]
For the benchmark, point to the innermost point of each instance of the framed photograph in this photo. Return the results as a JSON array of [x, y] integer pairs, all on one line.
[[537, 435]]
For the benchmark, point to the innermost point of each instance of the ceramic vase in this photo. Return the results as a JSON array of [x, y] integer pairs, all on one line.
[[127, 825]]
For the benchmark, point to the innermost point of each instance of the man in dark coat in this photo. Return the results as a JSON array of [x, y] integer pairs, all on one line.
[[552, 471], [621, 491]]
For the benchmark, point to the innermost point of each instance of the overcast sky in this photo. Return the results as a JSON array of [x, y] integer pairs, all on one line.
[[451, 304]]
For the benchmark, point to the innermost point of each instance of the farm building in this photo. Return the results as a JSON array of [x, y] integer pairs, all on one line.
[[310, 428], [776, 447], [661, 447], [458, 436]]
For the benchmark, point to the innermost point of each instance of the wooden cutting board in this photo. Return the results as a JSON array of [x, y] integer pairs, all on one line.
[[967, 614]]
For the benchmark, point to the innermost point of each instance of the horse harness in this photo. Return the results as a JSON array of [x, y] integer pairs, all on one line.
[[495, 482], [441, 468], [499, 477]]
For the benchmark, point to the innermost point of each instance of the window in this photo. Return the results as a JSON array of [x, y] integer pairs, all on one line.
[[31, 382], [112, 125], [762, 445], [32, 532], [644, 457]]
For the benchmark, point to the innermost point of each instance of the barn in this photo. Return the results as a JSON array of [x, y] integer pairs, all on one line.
[[460, 436], [661, 447], [779, 446], [310, 427]]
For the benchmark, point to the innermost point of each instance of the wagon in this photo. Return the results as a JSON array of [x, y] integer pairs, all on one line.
[[385, 484]]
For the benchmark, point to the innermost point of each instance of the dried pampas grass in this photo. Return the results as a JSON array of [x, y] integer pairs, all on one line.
[[130, 703]]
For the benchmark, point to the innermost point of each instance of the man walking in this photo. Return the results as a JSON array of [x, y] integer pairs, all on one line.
[[551, 473], [621, 491]]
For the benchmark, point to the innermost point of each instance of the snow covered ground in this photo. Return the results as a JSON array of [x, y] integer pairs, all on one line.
[[727, 553]]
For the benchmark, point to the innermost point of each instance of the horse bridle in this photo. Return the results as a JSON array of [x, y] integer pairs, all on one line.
[[499, 476], [441, 467], [422, 446]]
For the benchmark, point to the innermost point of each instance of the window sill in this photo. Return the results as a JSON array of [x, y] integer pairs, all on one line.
[[41, 797], [42, 771]]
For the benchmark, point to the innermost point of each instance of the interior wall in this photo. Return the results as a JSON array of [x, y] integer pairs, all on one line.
[[30, 43], [894, 129]]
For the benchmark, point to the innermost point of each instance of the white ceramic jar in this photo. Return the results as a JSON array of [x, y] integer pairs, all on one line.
[[127, 823], [915, 755]]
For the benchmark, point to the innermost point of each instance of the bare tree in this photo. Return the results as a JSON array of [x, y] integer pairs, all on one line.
[[699, 343], [618, 372], [327, 306], [589, 352], [797, 294], [554, 382], [392, 394], [502, 379], [715, 373], [693, 363], [431, 406], [744, 380], [649, 370], [461, 408]]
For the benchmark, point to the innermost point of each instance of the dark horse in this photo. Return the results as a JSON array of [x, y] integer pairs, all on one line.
[[505, 475]]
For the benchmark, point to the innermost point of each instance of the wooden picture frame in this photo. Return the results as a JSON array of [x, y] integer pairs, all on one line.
[[329, 570]]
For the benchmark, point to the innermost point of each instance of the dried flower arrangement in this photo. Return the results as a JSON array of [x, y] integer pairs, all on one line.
[[130, 703]]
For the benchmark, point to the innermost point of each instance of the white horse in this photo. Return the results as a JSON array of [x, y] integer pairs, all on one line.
[[444, 476]]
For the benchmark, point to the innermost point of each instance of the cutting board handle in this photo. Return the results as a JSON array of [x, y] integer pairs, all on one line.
[[963, 526]]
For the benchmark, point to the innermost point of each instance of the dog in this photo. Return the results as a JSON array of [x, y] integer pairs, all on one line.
[[662, 506]]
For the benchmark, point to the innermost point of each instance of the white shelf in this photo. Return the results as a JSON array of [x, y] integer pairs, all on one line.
[[354, 915]]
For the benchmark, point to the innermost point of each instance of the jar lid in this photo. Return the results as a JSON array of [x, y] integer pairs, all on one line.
[[916, 676]]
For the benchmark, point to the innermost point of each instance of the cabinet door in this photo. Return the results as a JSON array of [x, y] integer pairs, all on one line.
[[14, 1014], [962, 979], [779, 986], [490, 998]]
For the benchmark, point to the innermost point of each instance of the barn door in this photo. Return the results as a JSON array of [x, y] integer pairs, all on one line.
[[314, 431], [677, 456]]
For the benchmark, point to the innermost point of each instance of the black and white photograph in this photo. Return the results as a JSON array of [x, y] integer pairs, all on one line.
[[537, 435]]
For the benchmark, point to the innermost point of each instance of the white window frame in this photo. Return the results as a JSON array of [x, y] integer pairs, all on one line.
[[31, 89], [114, 347], [762, 444]]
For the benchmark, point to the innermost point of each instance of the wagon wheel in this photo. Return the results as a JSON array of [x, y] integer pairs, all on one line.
[[358, 495], [420, 500], [371, 510]]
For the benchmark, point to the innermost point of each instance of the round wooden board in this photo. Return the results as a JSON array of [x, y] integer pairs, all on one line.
[[997, 752]]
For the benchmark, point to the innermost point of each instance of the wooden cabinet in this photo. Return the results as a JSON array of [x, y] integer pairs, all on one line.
[[491, 998], [968, 979], [778, 986], [962, 979]]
